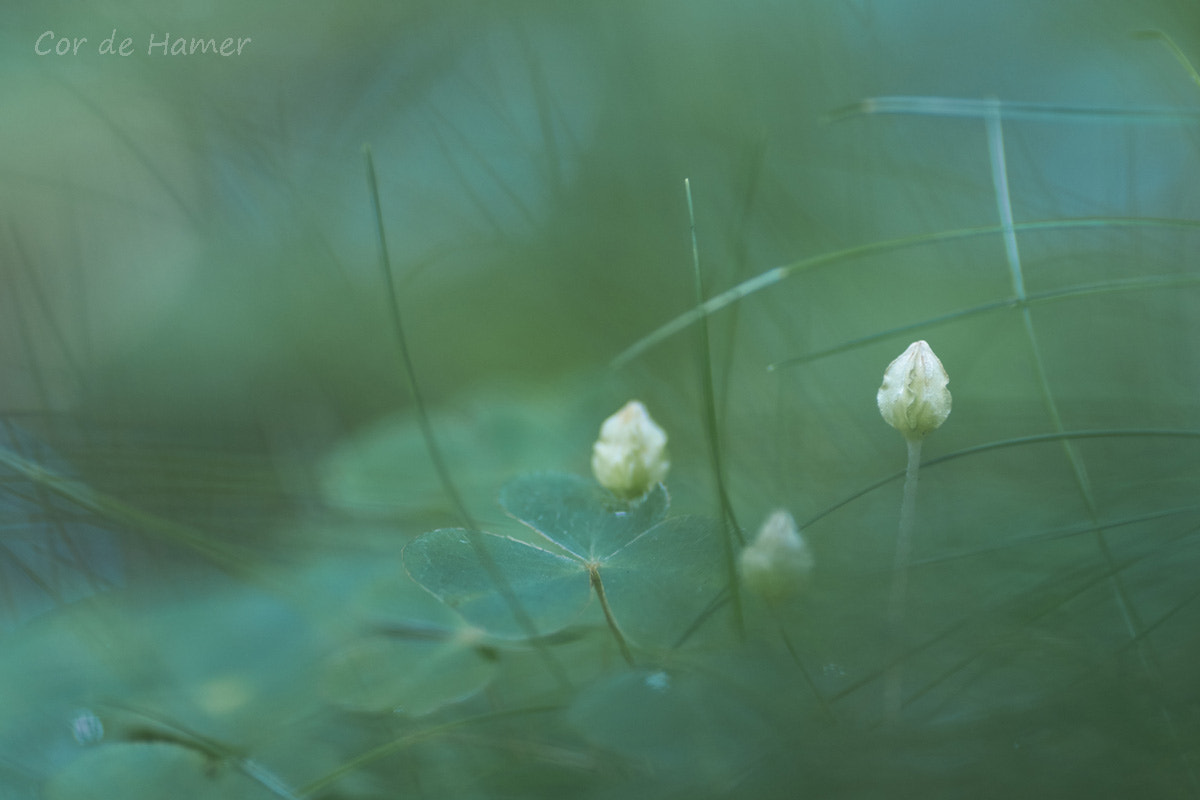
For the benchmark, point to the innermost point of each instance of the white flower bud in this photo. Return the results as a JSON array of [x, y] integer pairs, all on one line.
[[778, 562], [631, 454], [913, 398]]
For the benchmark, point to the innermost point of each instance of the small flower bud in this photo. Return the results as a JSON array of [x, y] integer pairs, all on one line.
[[631, 454], [778, 562], [913, 398]]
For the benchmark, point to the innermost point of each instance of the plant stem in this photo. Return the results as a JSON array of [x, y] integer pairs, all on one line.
[[893, 680], [808, 679], [598, 585], [732, 529], [499, 580], [409, 371]]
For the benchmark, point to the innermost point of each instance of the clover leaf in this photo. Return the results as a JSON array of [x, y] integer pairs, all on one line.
[[659, 575]]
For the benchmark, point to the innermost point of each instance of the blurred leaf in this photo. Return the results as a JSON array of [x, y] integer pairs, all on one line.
[[230, 662], [579, 515], [146, 771], [681, 726], [50, 669], [408, 676], [398, 647], [364, 589], [384, 471]]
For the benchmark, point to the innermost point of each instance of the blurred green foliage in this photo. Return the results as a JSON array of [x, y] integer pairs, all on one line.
[[228, 569]]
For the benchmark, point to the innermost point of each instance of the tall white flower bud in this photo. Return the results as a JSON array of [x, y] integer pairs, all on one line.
[[913, 398], [778, 561], [631, 454]]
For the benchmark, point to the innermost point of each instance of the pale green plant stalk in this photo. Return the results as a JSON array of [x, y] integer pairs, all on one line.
[[1129, 615], [776, 275], [975, 108], [237, 561], [732, 529], [472, 530], [1115, 286], [894, 679], [1169, 43]]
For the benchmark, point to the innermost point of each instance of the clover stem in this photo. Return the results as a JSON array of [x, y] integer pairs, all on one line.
[[598, 585], [893, 690]]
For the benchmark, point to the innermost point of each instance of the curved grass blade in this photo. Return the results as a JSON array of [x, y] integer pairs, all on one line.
[[779, 274], [51, 551], [410, 374], [1129, 612], [471, 531], [1169, 43], [1165, 618], [1051, 296], [1019, 441], [136, 152], [1026, 609], [1052, 535], [1093, 576], [712, 432], [973, 108], [1032, 606], [318, 786], [224, 556]]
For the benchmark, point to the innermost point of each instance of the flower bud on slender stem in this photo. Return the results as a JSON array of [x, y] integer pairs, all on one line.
[[914, 400]]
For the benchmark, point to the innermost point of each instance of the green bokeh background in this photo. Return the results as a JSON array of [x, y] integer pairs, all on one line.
[[193, 323]]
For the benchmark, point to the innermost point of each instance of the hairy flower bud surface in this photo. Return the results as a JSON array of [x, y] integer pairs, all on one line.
[[913, 398], [631, 454]]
